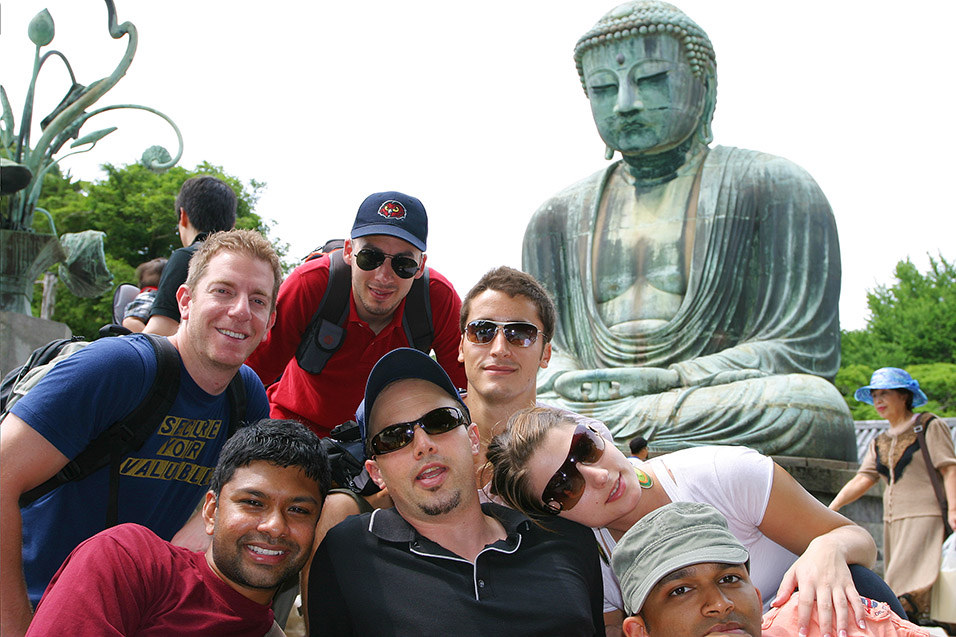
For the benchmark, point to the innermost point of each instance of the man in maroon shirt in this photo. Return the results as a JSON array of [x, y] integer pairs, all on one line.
[[261, 508], [385, 255]]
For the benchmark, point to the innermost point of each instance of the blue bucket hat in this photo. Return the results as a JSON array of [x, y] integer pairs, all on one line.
[[892, 378]]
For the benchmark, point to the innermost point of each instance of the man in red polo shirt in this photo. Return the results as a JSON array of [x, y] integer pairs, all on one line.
[[385, 256]]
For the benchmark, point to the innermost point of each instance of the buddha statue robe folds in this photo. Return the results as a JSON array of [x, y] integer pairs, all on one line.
[[696, 287]]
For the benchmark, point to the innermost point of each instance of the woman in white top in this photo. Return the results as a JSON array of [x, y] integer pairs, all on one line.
[[545, 463]]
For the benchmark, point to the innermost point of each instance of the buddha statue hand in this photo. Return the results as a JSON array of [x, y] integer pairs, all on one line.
[[596, 385], [734, 375]]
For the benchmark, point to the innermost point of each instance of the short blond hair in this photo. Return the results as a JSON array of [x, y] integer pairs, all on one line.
[[248, 243]]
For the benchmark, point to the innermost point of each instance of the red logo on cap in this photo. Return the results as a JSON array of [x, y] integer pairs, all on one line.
[[392, 209]]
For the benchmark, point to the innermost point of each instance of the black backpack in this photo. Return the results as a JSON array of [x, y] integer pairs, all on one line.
[[347, 459], [125, 436], [326, 331]]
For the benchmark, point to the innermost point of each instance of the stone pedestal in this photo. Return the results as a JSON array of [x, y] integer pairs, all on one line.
[[20, 334], [824, 478]]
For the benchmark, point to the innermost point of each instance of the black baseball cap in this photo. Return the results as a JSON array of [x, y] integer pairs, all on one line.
[[402, 364]]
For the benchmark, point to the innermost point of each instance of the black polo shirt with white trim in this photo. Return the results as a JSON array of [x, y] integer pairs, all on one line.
[[374, 574]]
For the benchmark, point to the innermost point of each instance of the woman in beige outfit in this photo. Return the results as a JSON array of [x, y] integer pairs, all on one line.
[[912, 519]]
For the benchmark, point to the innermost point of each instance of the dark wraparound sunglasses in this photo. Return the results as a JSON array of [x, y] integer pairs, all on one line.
[[519, 333], [567, 484], [437, 421], [369, 259]]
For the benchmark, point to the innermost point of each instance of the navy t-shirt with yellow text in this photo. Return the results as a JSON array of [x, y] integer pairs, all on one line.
[[160, 484]]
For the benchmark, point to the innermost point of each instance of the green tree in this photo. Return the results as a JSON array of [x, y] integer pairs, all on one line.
[[135, 207], [918, 312], [912, 325], [911, 321]]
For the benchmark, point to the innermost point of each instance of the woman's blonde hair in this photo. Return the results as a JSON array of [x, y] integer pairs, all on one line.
[[510, 454]]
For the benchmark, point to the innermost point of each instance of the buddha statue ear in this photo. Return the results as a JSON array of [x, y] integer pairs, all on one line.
[[608, 153], [705, 131]]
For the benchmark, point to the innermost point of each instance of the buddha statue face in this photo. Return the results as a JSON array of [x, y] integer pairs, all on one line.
[[645, 99]]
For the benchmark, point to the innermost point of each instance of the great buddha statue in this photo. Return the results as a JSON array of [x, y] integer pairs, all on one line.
[[696, 287]]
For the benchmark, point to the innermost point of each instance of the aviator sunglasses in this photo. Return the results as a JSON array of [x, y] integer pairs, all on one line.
[[369, 259], [437, 421], [567, 484], [519, 333]]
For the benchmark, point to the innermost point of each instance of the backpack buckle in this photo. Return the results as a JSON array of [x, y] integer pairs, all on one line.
[[71, 471]]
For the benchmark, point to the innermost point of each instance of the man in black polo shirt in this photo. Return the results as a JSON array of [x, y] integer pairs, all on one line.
[[440, 562]]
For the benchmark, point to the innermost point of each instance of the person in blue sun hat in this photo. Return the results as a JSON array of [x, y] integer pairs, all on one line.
[[892, 378], [915, 457]]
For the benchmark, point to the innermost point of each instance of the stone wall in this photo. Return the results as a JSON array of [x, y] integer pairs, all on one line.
[[21, 334]]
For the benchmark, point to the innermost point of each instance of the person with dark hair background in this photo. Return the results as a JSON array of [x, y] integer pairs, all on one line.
[[205, 204], [136, 314], [638, 447]]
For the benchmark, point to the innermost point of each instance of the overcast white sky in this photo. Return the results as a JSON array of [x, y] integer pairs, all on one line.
[[476, 109]]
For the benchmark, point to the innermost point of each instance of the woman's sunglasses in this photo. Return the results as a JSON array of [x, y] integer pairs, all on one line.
[[520, 334], [567, 484], [369, 259], [437, 421]]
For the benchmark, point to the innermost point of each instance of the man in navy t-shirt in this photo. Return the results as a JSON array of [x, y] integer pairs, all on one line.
[[228, 306]]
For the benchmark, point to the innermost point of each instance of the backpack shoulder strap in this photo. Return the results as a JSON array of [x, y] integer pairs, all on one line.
[[920, 429], [236, 396], [417, 319], [326, 332], [41, 356], [126, 435]]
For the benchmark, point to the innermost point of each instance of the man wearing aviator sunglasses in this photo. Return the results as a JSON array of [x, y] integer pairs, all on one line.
[[384, 261], [507, 320], [484, 568]]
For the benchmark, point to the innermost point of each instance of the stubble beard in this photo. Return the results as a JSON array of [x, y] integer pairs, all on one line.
[[441, 508], [231, 565]]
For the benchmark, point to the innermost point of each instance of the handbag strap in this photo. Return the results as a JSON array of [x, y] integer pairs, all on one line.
[[920, 430]]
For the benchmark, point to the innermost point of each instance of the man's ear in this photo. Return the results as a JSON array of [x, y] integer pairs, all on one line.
[[461, 353], [183, 297], [374, 473], [474, 435], [209, 511], [545, 356], [347, 251], [634, 627]]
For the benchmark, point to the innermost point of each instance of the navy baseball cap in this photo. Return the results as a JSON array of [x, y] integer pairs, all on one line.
[[402, 364], [395, 214]]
